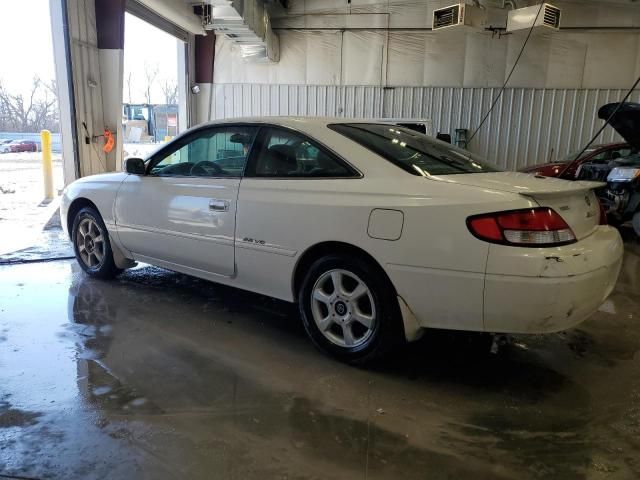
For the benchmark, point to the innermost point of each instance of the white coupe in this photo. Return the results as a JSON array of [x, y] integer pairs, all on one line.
[[376, 231]]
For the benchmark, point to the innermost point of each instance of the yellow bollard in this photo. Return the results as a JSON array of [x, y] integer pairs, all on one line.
[[47, 167]]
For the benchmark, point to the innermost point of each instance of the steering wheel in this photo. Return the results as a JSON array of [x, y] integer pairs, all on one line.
[[202, 168]]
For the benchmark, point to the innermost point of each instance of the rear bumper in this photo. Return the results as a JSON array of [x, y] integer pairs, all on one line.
[[548, 290]]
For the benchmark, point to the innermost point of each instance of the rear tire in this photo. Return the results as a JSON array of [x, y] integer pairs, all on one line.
[[92, 246], [349, 309]]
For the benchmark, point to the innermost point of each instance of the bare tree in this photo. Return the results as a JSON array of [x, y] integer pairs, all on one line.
[[150, 74], [37, 111], [170, 91]]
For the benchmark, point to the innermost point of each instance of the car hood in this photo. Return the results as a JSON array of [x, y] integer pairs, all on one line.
[[540, 166], [626, 121], [102, 178], [522, 183]]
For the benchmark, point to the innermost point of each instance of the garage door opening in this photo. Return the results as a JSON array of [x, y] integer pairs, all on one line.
[[28, 105], [151, 86]]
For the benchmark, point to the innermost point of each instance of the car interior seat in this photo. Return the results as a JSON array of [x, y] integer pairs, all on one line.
[[279, 160]]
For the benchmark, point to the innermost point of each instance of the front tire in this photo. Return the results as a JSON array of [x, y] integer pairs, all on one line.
[[92, 246], [349, 309]]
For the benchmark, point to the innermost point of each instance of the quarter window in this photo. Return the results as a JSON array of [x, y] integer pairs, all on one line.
[[284, 153], [414, 152], [216, 152]]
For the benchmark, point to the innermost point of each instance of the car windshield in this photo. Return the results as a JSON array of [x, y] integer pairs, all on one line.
[[414, 152]]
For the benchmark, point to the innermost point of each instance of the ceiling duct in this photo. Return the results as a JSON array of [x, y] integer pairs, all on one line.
[[246, 23], [459, 15], [525, 18]]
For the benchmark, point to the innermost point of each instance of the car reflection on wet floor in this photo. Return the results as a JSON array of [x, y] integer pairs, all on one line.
[[165, 376]]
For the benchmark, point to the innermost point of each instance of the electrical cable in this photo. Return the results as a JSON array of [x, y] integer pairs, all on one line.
[[17, 477], [504, 85], [620, 103], [33, 260]]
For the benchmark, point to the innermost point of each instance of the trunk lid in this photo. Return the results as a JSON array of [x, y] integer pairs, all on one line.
[[575, 202], [626, 121]]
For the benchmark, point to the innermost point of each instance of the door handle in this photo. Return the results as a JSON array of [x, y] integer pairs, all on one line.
[[218, 205]]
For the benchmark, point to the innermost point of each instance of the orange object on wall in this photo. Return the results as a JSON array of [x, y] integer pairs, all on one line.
[[109, 141]]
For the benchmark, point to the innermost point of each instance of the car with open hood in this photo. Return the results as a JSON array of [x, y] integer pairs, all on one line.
[[621, 195], [567, 166], [376, 231]]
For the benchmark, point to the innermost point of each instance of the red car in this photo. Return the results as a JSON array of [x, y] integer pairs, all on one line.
[[567, 167], [23, 146]]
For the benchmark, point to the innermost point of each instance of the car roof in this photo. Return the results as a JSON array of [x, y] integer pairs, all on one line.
[[288, 121]]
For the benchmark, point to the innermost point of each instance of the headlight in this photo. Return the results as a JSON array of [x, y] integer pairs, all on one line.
[[623, 174]]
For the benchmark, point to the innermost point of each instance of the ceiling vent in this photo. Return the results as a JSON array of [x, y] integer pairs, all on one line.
[[459, 15], [525, 18], [244, 22]]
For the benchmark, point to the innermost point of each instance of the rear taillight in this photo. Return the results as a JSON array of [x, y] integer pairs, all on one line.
[[531, 227]]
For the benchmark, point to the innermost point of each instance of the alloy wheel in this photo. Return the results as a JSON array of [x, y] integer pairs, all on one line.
[[343, 308], [90, 243]]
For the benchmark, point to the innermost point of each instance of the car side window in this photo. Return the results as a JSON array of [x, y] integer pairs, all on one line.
[[215, 152], [620, 153], [285, 153], [611, 154]]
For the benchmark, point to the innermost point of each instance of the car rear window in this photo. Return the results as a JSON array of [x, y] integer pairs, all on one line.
[[414, 152]]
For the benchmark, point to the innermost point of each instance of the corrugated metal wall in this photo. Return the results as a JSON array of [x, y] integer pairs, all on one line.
[[527, 126]]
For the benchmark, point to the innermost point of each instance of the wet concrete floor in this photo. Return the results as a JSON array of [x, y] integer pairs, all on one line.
[[157, 375]]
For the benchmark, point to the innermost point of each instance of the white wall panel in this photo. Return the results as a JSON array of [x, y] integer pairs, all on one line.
[[363, 56], [406, 54], [340, 43], [324, 65], [610, 54], [444, 58], [455, 58], [527, 126]]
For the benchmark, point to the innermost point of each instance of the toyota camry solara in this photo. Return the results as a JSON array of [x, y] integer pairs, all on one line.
[[376, 231]]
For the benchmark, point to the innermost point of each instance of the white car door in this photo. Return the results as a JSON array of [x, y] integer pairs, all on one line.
[[182, 211], [288, 195]]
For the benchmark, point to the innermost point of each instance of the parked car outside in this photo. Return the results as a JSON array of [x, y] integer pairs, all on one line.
[[4, 146], [378, 232], [22, 146], [567, 167]]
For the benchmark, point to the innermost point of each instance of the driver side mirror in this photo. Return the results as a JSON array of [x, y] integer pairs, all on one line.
[[134, 165]]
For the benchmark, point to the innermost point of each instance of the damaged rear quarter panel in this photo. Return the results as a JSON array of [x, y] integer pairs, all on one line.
[[599, 249], [540, 290]]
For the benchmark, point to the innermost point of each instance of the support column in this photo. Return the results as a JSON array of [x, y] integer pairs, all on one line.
[[204, 56]]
